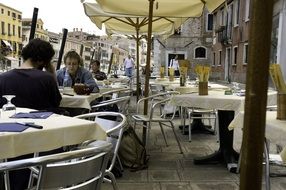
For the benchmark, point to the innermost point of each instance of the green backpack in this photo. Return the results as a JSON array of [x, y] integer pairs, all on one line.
[[132, 152]]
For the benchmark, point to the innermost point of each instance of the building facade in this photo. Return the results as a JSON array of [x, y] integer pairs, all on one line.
[[10, 35], [193, 42]]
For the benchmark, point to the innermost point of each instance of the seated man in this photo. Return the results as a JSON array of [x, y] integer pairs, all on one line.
[[97, 74], [76, 73]]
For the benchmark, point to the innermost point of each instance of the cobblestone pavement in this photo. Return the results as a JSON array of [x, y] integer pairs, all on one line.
[[170, 170]]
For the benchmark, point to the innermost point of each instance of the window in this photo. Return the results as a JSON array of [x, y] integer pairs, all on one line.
[[236, 13], [19, 31], [246, 17], [19, 17], [8, 13], [245, 54], [200, 53], [220, 57], [14, 15], [234, 61], [213, 58], [2, 28], [9, 32], [209, 22], [13, 30], [2, 11]]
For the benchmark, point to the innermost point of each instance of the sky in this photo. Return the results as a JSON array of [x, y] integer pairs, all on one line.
[[56, 14]]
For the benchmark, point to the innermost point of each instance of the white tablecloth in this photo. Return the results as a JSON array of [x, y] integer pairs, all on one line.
[[216, 100], [78, 101], [275, 130], [57, 131], [190, 88]]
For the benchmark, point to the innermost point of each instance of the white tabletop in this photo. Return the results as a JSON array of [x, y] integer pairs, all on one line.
[[78, 101], [216, 100], [57, 131], [190, 88]]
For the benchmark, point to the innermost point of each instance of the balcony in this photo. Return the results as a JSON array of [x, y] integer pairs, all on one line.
[[220, 28], [224, 35]]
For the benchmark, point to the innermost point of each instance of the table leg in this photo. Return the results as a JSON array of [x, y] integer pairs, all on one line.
[[225, 154]]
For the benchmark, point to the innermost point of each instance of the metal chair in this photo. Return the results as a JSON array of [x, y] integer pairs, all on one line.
[[114, 131], [161, 119], [271, 159], [203, 114], [78, 169]]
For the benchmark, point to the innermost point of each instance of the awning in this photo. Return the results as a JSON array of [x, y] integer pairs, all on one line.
[[7, 44], [11, 58]]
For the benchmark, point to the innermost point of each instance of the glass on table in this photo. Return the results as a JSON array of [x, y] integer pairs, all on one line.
[[8, 109]]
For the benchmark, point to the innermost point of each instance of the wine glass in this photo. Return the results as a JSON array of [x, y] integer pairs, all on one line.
[[8, 109]]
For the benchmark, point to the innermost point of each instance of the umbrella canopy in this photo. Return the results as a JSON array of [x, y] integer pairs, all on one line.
[[127, 24], [163, 8]]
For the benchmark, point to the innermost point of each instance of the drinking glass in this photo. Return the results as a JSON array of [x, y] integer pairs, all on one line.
[[8, 109]]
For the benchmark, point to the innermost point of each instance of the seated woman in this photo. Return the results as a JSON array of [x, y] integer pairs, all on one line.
[[97, 74], [76, 73], [33, 88]]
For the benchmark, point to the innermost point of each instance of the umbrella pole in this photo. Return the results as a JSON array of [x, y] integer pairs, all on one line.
[[137, 63], [256, 94], [146, 91]]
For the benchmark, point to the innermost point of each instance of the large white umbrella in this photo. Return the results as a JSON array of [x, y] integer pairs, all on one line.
[[134, 25]]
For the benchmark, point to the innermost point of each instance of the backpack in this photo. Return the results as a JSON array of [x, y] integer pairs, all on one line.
[[132, 152]]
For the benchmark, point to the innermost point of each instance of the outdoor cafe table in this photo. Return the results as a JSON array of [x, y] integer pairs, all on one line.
[[228, 106], [275, 130], [58, 131], [78, 101]]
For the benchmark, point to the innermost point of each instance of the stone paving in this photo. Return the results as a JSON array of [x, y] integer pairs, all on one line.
[[170, 170]]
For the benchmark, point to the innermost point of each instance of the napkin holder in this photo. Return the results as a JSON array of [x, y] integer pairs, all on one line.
[[162, 72], [203, 88], [171, 74], [281, 106]]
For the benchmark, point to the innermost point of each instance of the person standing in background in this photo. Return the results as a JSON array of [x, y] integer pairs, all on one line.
[[128, 64], [174, 63]]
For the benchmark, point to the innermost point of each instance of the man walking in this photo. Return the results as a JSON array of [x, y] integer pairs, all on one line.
[[128, 64]]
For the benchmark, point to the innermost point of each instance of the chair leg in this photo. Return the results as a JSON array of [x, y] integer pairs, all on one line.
[[163, 133], [177, 139], [267, 166], [120, 164], [190, 126], [113, 180], [216, 128], [6, 180]]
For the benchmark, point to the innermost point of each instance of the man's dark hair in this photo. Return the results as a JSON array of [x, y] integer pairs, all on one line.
[[96, 62], [72, 55], [38, 50]]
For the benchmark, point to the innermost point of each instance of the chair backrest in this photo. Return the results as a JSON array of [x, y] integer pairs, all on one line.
[[77, 169], [153, 99], [122, 104], [114, 129], [117, 93]]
